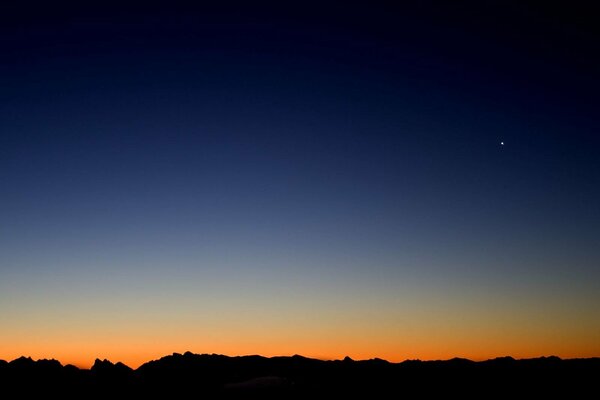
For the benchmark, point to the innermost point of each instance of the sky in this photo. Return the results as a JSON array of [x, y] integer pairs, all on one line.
[[357, 179]]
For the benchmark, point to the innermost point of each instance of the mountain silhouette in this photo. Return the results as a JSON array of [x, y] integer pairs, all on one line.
[[297, 376]]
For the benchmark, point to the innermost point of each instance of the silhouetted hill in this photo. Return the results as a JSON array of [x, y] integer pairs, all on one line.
[[297, 376]]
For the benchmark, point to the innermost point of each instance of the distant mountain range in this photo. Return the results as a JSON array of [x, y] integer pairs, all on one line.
[[213, 375]]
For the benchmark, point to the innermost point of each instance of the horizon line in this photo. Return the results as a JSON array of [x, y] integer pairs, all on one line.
[[345, 359]]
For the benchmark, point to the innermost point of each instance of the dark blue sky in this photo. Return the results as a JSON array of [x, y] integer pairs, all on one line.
[[337, 146]]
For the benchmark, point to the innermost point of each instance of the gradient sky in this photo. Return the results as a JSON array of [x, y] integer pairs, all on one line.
[[326, 181]]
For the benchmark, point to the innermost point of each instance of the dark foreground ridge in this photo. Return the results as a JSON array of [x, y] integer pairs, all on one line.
[[296, 376]]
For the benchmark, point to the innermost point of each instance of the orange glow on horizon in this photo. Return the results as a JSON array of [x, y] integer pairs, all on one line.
[[394, 326], [137, 354]]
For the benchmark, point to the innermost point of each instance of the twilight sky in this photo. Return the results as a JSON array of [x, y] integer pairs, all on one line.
[[326, 181]]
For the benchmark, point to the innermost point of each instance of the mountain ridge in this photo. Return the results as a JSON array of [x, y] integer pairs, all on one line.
[[103, 363], [216, 375]]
